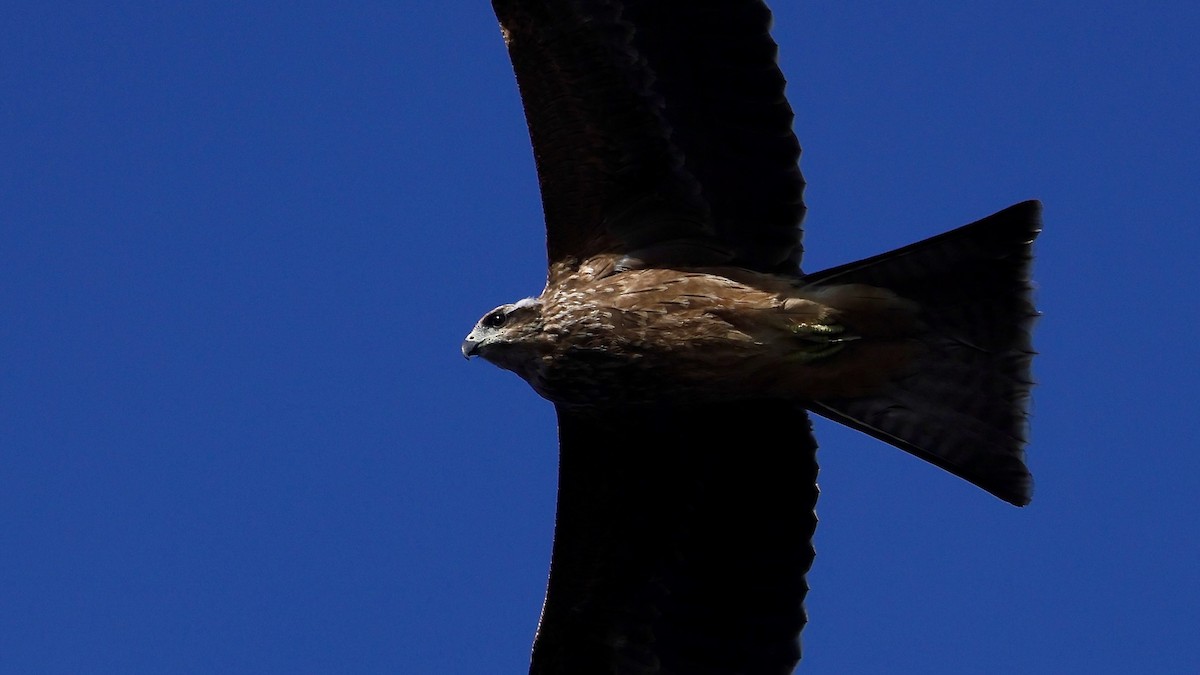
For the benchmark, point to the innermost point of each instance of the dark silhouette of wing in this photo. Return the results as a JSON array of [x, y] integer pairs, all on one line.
[[658, 121], [682, 541]]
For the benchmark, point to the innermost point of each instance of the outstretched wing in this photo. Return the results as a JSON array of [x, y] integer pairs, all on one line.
[[656, 122], [682, 540]]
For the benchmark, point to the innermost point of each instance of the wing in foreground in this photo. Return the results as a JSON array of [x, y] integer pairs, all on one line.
[[682, 539]]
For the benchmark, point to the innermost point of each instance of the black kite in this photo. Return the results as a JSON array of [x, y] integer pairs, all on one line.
[[681, 344]]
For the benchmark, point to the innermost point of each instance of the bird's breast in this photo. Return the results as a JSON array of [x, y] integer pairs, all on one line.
[[603, 355]]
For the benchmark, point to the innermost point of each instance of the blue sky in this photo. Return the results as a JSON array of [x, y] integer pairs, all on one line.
[[240, 246]]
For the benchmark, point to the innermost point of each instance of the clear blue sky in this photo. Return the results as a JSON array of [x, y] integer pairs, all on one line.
[[239, 249]]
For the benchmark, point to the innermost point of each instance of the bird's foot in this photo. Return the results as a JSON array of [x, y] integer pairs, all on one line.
[[818, 341]]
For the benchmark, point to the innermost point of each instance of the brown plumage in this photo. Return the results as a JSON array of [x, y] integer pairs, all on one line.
[[699, 335], [681, 344]]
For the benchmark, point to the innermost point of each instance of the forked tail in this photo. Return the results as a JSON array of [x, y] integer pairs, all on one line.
[[963, 406]]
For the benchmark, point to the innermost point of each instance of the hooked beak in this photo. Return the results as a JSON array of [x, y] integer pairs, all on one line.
[[470, 348]]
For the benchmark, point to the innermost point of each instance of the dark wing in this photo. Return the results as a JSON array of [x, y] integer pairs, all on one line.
[[656, 122], [682, 541]]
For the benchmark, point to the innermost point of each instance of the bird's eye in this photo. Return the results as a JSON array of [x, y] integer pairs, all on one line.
[[495, 319]]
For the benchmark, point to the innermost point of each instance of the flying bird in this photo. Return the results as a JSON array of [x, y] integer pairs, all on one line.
[[682, 345]]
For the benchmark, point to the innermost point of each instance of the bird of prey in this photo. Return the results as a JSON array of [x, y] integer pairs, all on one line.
[[681, 344]]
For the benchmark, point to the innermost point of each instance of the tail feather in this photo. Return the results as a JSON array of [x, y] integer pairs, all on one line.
[[963, 406]]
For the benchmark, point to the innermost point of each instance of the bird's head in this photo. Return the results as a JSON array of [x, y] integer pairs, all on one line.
[[506, 335]]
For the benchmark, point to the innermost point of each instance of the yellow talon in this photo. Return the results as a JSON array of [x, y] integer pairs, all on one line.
[[819, 341], [816, 329]]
